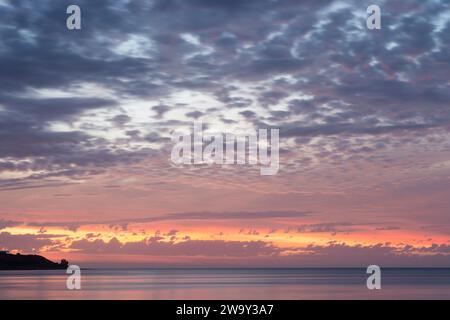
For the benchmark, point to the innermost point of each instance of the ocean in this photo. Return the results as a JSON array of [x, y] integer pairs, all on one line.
[[254, 284]]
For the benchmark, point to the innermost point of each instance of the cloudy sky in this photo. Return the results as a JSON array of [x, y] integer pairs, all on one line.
[[86, 119]]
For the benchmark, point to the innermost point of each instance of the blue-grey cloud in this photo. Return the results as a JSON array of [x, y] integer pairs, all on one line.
[[390, 84]]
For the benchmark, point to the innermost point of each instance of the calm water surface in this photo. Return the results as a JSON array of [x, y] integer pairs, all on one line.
[[317, 283]]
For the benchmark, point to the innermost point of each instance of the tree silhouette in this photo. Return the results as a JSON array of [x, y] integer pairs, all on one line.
[[64, 263]]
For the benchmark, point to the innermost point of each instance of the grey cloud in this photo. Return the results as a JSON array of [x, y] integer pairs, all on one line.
[[333, 228], [348, 128], [156, 247], [52, 109], [25, 242], [8, 223], [331, 254], [360, 85], [244, 215]]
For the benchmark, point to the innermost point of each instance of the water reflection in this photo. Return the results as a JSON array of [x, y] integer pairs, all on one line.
[[344, 283]]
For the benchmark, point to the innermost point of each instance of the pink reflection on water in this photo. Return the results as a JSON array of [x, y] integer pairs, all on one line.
[[219, 284]]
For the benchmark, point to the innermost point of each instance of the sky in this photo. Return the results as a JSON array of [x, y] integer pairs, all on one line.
[[86, 118]]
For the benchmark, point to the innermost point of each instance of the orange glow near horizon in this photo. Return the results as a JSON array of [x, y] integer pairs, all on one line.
[[286, 240]]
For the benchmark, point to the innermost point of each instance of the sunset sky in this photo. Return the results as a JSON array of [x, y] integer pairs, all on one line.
[[86, 118]]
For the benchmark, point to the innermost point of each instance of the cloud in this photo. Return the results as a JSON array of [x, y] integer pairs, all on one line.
[[8, 223], [342, 254], [258, 54], [155, 247], [333, 228], [102, 103], [51, 109], [210, 216], [23, 242], [265, 253]]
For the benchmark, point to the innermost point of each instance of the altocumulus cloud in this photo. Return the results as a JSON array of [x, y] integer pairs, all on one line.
[[350, 82]]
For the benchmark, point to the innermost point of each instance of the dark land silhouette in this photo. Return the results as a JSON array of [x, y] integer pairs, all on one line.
[[28, 262]]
